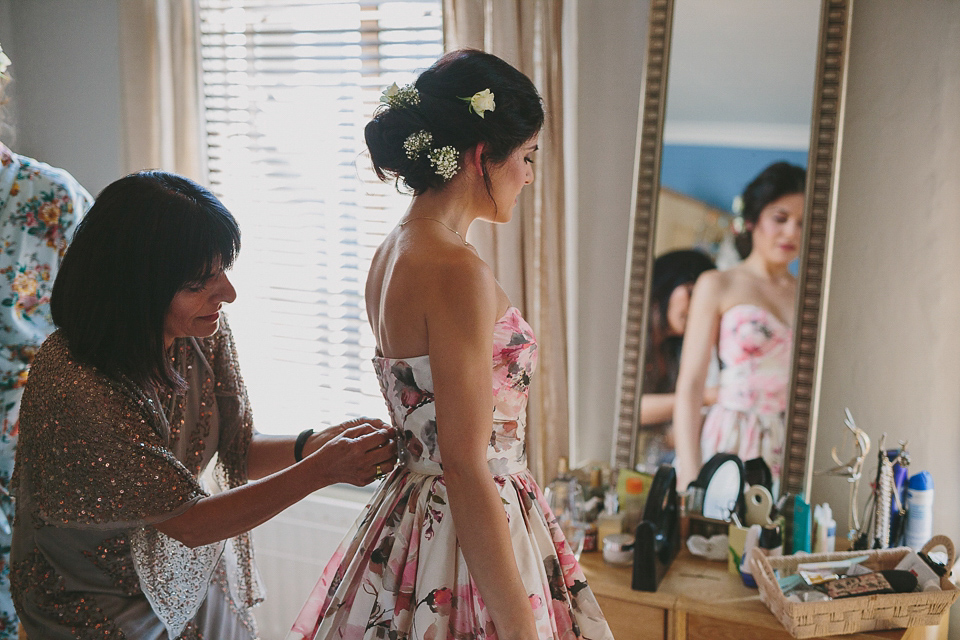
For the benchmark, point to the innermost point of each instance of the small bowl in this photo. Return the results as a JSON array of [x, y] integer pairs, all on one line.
[[618, 548]]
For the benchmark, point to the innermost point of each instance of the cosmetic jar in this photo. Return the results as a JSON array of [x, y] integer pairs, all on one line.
[[618, 548]]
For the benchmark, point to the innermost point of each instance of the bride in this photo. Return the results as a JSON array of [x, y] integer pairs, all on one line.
[[458, 542]]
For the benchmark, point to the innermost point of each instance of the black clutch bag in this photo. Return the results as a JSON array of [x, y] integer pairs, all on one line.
[[657, 539]]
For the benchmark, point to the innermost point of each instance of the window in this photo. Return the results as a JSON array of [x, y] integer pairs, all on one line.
[[287, 87]]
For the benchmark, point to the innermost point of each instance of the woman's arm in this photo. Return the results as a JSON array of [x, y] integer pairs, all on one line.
[[350, 457], [460, 325], [272, 453], [657, 408], [703, 325]]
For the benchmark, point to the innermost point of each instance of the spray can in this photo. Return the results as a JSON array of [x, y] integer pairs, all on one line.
[[919, 510]]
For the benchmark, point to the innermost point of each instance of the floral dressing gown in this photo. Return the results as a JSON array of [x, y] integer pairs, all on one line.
[[40, 207]]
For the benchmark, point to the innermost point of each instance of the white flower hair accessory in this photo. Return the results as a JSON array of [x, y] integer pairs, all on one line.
[[737, 207], [481, 102], [444, 161], [417, 143], [4, 63], [405, 96]]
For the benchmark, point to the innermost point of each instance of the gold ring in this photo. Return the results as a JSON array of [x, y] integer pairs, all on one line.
[[379, 472]]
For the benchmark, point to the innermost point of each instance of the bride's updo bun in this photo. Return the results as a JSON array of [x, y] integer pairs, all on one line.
[[442, 109]]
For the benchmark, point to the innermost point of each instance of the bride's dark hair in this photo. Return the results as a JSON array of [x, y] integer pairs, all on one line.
[[443, 112], [778, 180]]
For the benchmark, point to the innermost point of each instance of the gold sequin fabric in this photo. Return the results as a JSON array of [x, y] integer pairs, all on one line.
[[99, 461]]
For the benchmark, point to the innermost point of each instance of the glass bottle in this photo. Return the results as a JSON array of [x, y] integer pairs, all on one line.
[[565, 499]]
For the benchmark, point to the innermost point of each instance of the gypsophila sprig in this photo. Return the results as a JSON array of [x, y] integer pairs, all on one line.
[[417, 143], [405, 96], [481, 102], [444, 161]]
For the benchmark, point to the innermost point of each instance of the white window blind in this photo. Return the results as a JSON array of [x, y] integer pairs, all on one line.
[[287, 88]]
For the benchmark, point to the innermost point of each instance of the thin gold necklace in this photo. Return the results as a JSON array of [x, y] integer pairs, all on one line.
[[465, 243]]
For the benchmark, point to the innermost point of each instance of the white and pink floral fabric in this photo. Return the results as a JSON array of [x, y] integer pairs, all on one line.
[[400, 573], [748, 419]]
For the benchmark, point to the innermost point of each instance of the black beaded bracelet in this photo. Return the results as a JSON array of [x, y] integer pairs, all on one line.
[[301, 442]]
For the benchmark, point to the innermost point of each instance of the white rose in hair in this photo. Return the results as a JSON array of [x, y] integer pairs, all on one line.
[[481, 102], [389, 92]]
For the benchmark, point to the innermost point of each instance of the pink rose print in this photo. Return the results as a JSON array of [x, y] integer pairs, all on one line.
[[439, 601]]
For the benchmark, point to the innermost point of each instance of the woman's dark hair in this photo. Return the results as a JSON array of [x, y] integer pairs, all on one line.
[[447, 117], [778, 180], [671, 270], [148, 235]]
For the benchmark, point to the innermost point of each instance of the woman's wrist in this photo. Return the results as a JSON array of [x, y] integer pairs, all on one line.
[[300, 443]]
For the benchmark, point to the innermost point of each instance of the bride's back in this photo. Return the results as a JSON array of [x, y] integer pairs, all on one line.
[[404, 280]]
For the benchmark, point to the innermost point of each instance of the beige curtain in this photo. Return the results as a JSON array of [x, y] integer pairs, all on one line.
[[527, 255], [159, 47]]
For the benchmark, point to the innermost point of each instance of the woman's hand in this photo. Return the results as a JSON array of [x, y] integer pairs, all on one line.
[[323, 436], [356, 452]]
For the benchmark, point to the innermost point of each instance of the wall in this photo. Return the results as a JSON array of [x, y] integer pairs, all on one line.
[[612, 41], [714, 174], [66, 106], [892, 342]]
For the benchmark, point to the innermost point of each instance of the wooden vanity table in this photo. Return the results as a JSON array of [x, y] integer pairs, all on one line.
[[700, 600]]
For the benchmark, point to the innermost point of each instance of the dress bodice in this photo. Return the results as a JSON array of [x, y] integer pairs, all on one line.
[[755, 349], [407, 386]]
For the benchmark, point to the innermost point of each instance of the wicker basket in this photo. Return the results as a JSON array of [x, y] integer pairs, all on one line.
[[850, 615]]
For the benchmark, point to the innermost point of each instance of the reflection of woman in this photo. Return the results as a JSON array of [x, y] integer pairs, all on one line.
[[127, 404], [747, 312], [40, 207], [673, 276], [459, 541]]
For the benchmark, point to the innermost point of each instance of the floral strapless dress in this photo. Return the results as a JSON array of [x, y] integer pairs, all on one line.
[[749, 418], [400, 574]]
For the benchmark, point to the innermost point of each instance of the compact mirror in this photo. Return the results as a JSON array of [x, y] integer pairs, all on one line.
[[722, 482]]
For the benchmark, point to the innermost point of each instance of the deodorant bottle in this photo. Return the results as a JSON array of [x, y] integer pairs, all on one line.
[[919, 510]]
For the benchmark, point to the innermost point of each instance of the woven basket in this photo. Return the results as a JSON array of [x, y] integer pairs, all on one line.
[[850, 615]]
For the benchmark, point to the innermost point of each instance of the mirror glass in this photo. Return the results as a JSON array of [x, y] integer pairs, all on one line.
[[723, 489], [739, 97]]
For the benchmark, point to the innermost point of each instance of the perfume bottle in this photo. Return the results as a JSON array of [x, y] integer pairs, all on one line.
[[565, 498]]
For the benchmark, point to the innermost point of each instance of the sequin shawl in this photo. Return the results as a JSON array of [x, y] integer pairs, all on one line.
[[99, 462]]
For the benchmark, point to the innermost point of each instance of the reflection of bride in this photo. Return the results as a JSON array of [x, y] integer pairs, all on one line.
[[746, 312], [674, 274]]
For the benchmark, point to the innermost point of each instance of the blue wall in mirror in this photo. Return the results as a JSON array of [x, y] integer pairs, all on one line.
[[716, 175]]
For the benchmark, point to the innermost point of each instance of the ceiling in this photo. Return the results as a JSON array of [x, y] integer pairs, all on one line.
[[742, 72]]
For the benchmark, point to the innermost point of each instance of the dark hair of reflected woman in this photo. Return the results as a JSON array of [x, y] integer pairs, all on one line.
[[671, 270]]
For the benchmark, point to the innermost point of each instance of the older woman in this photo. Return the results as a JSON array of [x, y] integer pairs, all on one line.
[[127, 405]]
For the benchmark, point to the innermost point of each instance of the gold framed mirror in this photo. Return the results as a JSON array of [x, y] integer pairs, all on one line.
[[813, 269]]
